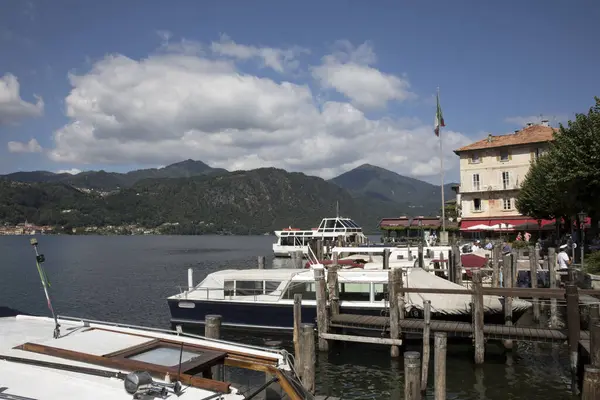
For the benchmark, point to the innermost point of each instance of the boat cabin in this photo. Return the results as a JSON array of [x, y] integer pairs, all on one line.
[[339, 225]]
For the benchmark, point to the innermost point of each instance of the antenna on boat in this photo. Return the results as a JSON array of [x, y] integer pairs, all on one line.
[[39, 260], [337, 209]]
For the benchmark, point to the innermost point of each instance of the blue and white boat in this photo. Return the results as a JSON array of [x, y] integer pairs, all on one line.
[[263, 299]]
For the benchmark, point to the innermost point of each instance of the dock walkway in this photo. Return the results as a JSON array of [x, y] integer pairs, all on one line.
[[456, 329]]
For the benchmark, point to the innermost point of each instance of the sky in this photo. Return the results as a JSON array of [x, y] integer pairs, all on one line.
[[316, 87]]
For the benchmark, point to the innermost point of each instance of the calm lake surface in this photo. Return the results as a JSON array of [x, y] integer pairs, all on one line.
[[127, 279]]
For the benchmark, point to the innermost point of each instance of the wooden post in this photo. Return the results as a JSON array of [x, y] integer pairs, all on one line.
[[420, 256], [322, 319], [496, 265], [261, 262], [426, 342], [594, 316], [552, 275], [478, 318], [394, 287], [308, 356], [334, 290], [412, 375], [595, 345], [212, 330], [573, 330], [457, 265], [386, 258], [507, 305], [299, 364], [440, 344], [299, 259], [319, 247], [334, 257], [591, 383], [533, 268], [451, 268]]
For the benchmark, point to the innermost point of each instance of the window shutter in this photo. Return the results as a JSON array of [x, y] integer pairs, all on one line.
[[532, 155], [498, 157], [509, 156]]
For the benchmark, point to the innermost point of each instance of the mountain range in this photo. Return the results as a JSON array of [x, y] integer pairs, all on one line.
[[204, 199]]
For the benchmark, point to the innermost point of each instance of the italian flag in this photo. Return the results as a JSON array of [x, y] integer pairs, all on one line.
[[439, 117]]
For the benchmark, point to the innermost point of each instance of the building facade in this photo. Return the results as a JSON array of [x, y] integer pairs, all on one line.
[[492, 171]]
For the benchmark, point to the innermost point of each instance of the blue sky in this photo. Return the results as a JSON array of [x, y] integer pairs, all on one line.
[[318, 87]]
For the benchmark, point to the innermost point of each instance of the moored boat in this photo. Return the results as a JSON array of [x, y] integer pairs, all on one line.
[[93, 360], [263, 299], [290, 240]]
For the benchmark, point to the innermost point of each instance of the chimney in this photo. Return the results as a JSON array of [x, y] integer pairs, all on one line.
[[529, 124], [489, 139], [517, 130], [545, 122]]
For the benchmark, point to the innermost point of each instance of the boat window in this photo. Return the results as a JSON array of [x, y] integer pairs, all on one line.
[[165, 355], [347, 224], [330, 223], [339, 225], [355, 291], [248, 288], [306, 289], [380, 291], [271, 286], [228, 288]]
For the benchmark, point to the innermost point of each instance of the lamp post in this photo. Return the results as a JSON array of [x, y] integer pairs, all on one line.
[[582, 216], [420, 224]]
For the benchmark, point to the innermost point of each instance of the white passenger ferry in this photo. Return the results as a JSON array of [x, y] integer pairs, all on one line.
[[290, 239]]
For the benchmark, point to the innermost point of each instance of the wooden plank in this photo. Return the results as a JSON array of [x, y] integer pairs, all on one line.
[[361, 339]]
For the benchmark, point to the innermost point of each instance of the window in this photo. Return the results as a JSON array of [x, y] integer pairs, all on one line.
[[306, 289], [506, 180], [229, 288], [476, 184], [504, 156], [507, 204], [248, 288], [537, 153], [476, 204], [474, 159], [355, 291], [380, 290]]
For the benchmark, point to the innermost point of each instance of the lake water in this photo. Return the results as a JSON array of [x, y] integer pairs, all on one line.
[[127, 279]]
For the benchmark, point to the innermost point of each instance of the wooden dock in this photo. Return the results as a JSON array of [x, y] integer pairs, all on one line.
[[454, 329]]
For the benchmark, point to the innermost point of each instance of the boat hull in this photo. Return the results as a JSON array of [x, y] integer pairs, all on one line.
[[277, 316]]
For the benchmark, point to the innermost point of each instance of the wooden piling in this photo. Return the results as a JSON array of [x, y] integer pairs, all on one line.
[[426, 343], [594, 314], [298, 365], [458, 276], [261, 262], [595, 345], [441, 344], [451, 269], [533, 268], [573, 328], [553, 285], [394, 287], [412, 375], [319, 247], [591, 383], [507, 304], [333, 289], [420, 256], [386, 258], [322, 318], [478, 318], [308, 357], [212, 330], [496, 265]]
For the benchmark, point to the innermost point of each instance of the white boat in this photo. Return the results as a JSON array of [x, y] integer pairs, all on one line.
[[290, 240], [98, 360], [263, 298]]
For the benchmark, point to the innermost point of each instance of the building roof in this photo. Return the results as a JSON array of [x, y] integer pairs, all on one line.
[[530, 134]]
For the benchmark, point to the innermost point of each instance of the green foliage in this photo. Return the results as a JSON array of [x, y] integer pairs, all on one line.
[[241, 202], [566, 180], [592, 263], [520, 244]]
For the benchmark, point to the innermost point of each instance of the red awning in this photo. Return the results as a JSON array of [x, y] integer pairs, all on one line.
[[466, 224]]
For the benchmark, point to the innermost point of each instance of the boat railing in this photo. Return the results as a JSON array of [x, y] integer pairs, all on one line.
[[206, 293]]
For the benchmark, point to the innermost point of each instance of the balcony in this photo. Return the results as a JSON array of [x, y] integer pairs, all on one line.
[[489, 188]]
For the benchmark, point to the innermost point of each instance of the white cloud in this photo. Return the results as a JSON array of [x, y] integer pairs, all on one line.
[[536, 119], [349, 71], [173, 106], [20, 147], [72, 171], [12, 107], [280, 60]]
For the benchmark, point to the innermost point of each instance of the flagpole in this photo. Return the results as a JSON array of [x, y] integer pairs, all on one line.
[[442, 174]]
